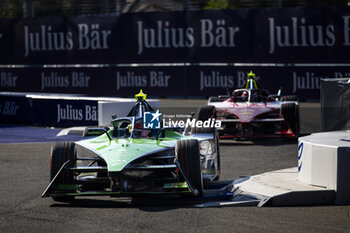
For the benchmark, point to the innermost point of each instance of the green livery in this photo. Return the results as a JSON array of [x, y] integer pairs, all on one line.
[[130, 159]]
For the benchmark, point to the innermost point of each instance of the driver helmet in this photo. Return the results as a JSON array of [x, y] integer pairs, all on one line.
[[138, 126], [140, 131], [245, 96]]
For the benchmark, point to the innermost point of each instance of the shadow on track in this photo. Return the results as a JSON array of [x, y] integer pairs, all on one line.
[[151, 204], [261, 141]]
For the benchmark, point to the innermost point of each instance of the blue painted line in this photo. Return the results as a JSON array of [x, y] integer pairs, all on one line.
[[300, 151], [299, 168], [300, 148], [28, 134]]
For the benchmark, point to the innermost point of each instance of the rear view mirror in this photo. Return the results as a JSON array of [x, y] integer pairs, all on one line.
[[93, 132]]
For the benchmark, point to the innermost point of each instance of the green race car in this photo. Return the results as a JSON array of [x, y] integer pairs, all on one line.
[[132, 159]]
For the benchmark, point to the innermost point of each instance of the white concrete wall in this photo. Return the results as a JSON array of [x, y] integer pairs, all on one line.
[[324, 160], [317, 164]]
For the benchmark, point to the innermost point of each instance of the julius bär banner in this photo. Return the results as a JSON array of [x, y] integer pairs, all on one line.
[[110, 81], [64, 112], [167, 81], [272, 35], [301, 81]]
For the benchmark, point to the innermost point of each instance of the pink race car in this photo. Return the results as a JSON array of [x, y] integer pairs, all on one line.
[[253, 113]]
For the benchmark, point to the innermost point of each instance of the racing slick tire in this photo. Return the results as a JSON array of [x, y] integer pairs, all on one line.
[[213, 99], [218, 157], [61, 153], [289, 98], [290, 112], [188, 156], [202, 130], [206, 112]]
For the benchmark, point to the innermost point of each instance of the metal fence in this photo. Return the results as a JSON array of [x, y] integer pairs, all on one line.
[[36, 8]]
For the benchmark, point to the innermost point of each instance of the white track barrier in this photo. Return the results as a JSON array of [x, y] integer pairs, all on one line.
[[321, 178], [107, 106], [324, 160], [119, 107]]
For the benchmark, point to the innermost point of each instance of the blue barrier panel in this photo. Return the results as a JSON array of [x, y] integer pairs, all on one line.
[[301, 81], [169, 81], [15, 109], [64, 113]]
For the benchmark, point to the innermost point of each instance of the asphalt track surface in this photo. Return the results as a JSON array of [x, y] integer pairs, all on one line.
[[24, 175]]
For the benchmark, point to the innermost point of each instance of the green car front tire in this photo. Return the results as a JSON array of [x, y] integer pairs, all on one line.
[[187, 152], [60, 154]]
